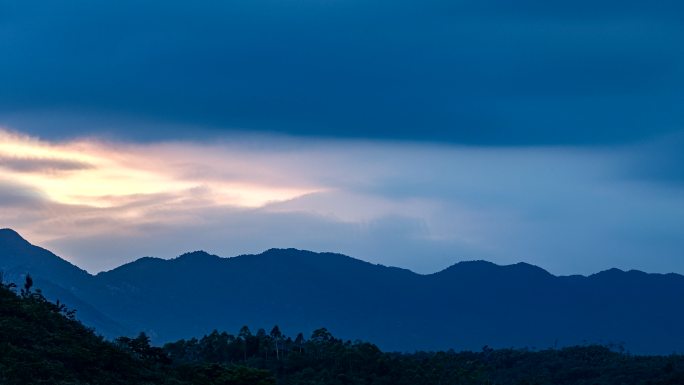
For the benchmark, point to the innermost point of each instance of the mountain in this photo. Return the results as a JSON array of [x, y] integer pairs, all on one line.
[[57, 278], [40, 343], [466, 306]]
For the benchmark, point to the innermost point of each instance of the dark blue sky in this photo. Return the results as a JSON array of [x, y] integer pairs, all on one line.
[[528, 72]]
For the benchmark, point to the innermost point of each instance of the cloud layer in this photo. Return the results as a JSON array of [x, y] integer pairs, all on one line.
[[421, 206], [457, 71]]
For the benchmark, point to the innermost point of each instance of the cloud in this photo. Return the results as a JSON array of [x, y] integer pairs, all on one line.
[[42, 165], [659, 161], [483, 73], [106, 175], [419, 206], [14, 195]]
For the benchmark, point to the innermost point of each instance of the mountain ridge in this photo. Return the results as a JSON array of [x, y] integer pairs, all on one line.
[[467, 305]]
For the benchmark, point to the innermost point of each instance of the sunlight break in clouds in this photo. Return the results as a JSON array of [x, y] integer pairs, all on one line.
[[106, 175], [420, 206]]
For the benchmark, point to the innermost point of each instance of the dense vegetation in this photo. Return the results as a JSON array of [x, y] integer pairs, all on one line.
[[325, 360], [42, 343]]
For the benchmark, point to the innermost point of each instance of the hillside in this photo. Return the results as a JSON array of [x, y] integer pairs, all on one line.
[[467, 306], [40, 343]]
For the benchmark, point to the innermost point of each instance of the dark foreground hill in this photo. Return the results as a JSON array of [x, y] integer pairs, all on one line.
[[41, 344], [466, 306]]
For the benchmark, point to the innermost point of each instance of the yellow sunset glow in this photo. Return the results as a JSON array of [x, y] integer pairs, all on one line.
[[105, 174], [24, 147]]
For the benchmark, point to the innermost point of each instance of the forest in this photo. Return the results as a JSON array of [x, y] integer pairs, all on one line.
[[43, 343]]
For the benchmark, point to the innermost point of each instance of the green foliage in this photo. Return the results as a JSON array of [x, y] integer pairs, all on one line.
[[324, 359], [219, 374], [42, 343]]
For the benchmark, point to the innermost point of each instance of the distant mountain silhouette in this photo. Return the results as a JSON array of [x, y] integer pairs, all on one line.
[[57, 278], [466, 306]]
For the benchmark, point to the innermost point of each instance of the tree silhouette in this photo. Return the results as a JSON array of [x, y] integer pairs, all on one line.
[[276, 335], [299, 342], [39, 345], [28, 284], [321, 335], [244, 335]]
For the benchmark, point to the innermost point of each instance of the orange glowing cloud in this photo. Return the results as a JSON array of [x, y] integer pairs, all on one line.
[[101, 174]]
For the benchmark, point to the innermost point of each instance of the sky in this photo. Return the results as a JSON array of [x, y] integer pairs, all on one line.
[[409, 133]]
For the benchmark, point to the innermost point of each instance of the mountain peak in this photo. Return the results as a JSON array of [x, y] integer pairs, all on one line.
[[198, 254], [287, 251], [486, 268], [10, 236], [528, 267], [477, 265]]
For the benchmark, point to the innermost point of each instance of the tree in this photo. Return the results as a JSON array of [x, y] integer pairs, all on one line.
[[244, 334], [8, 285], [321, 335], [140, 348], [299, 342], [276, 335], [28, 283], [263, 341]]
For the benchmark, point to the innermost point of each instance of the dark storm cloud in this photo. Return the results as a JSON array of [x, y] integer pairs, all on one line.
[[485, 72], [42, 165]]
